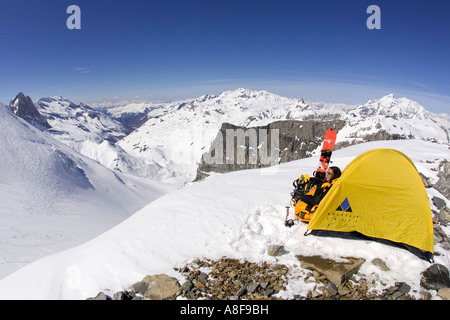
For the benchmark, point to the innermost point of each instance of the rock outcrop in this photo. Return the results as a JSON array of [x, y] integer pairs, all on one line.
[[23, 107], [233, 279], [443, 184], [239, 148]]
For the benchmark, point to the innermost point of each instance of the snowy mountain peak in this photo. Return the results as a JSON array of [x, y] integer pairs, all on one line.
[[243, 94], [62, 102], [94, 133], [390, 106], [79, 122], [188, 127], [23, 107]]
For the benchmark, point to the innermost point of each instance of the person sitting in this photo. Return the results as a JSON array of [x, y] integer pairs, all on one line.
[[308, 203]]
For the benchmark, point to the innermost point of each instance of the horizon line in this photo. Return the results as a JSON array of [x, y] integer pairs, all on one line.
[[365, 94]]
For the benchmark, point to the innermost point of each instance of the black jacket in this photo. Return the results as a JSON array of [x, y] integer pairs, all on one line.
[[316, 194]]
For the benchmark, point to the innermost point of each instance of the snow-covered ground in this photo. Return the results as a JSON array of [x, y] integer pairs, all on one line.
[[53, 198], [237, 215]]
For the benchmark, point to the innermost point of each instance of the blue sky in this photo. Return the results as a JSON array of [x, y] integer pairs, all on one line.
[[171, 49]]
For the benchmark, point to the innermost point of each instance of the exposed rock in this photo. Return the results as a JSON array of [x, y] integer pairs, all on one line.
[[435, 277], [425, 295], [444, 216], [426, 181], [398, 292], [186, 286], [23, 107], [232, 279], [123, 295], [275, 250], [157, 287], [443, 184], [384, 135], [252, 287], [438, 202], [444, 293], [440, 236], [100, 296], [402, 288], [297, 139], [336, 272], [332, 289], [380, 264], [203, 277]]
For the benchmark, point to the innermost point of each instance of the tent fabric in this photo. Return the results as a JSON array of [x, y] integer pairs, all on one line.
[[379, 195]]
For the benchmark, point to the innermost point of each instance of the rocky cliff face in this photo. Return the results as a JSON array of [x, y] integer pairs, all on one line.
[[240, 148], [23, 107]]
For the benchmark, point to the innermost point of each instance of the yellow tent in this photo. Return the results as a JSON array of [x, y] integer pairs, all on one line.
[[380, 196]]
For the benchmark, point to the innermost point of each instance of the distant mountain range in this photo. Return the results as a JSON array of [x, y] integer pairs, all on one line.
[[167, 141], [178, 134], [51, 196]]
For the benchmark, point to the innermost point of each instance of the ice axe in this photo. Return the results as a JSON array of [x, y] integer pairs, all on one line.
[[288, 222]]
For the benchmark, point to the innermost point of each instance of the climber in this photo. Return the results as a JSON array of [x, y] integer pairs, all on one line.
[[308, 203]]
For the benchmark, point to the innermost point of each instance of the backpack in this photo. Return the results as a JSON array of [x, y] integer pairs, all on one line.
[[301, 186], [305, 211]]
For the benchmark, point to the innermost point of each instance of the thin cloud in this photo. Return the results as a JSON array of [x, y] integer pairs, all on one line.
[[81, 70]]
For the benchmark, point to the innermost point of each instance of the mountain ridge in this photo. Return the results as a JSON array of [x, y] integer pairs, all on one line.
[[197, 122], [23, 107], [167, 141]]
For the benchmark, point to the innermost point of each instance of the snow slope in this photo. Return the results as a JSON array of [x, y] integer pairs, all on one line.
[[76, 123], [238, 215], [53, 198], [94, 134]]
